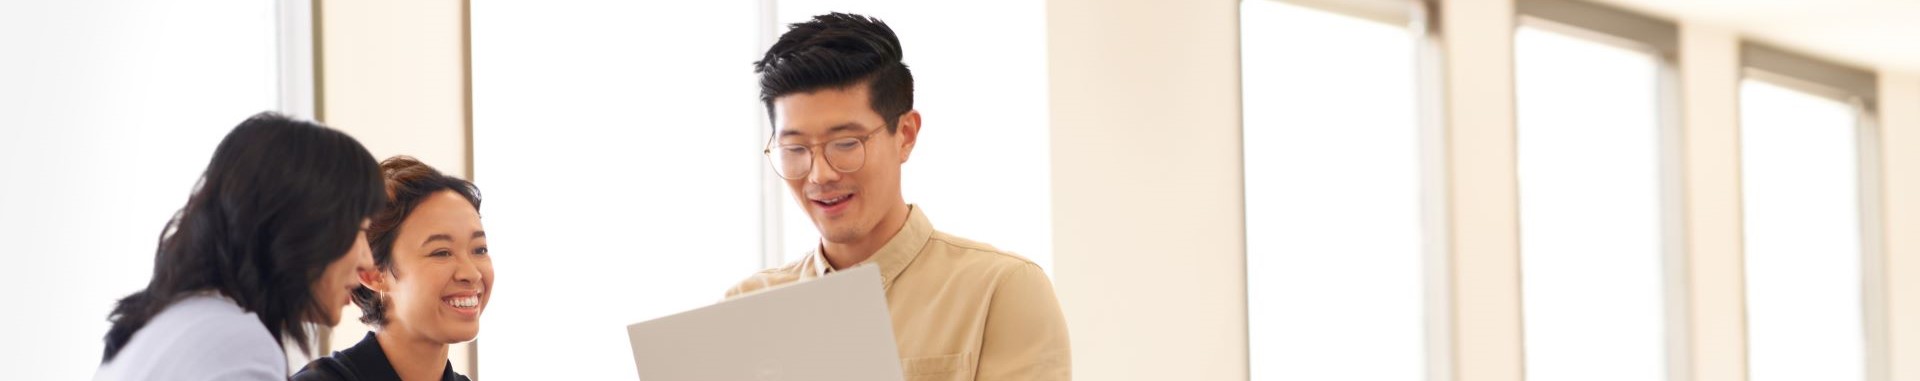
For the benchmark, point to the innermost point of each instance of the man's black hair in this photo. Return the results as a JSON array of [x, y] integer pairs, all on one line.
[[837, 50]]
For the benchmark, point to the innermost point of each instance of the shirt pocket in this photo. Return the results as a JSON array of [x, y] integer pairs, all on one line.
[[958, 366]]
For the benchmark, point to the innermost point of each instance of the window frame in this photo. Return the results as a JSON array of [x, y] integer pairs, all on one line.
[[1859, 89], [1660, 38], [1418, 18]]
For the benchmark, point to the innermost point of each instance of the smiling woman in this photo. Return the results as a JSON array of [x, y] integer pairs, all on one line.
[[431, 284]]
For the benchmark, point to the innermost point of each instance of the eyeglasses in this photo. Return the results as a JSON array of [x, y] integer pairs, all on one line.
[[795, 161]]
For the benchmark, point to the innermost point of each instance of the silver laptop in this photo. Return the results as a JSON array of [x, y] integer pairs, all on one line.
[[830, 328]]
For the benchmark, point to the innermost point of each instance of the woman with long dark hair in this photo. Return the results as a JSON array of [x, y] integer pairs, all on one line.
[[270, 242]]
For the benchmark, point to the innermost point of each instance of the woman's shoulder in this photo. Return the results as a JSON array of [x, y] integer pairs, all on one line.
[[363, 358], [199, 335], [217, 328], [324, 369], [364, 361]]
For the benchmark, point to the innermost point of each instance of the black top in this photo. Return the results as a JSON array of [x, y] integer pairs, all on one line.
[[364, 362]]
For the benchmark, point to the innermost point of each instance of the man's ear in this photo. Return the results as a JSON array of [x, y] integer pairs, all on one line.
[[909, 133], [374, 280]]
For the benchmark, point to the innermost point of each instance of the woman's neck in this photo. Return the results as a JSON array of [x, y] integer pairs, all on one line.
[[413, 357]]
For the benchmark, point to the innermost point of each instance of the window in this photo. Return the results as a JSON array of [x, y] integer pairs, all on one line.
[[108, 115], [1589, 171], [618, 148], [1800, 179], [1334, 260]]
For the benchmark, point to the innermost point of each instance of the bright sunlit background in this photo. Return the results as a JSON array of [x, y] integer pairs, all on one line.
[[621, 182], [134, 97], [1799, 162], [1333, 196], [618, 145], [1589, 169]]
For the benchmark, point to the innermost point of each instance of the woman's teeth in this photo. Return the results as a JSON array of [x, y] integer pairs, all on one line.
[[464, 301]]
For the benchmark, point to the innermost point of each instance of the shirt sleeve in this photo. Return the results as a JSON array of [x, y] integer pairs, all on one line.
[[752, 283], [1026, 335]]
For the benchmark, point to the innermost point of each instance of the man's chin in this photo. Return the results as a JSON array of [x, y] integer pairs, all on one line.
[[840, 234]]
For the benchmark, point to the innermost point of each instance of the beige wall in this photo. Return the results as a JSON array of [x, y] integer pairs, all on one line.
[[1900, 171], [1715, 327], [1482, 200], [1149, 255], [393, 75]]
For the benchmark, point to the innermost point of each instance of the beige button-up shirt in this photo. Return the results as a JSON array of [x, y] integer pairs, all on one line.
[[962, 310]]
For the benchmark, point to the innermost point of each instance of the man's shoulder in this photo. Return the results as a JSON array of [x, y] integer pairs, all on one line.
[[976, 255], [768, 278]]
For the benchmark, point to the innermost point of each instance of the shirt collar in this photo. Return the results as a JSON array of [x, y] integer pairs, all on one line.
[[893, 257], [369, 362]]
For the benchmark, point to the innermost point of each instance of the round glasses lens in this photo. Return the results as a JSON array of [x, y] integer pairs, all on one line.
[[846, 155], [792, 161]]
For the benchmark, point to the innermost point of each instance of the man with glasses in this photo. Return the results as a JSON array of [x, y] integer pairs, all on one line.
[[841, 104]]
